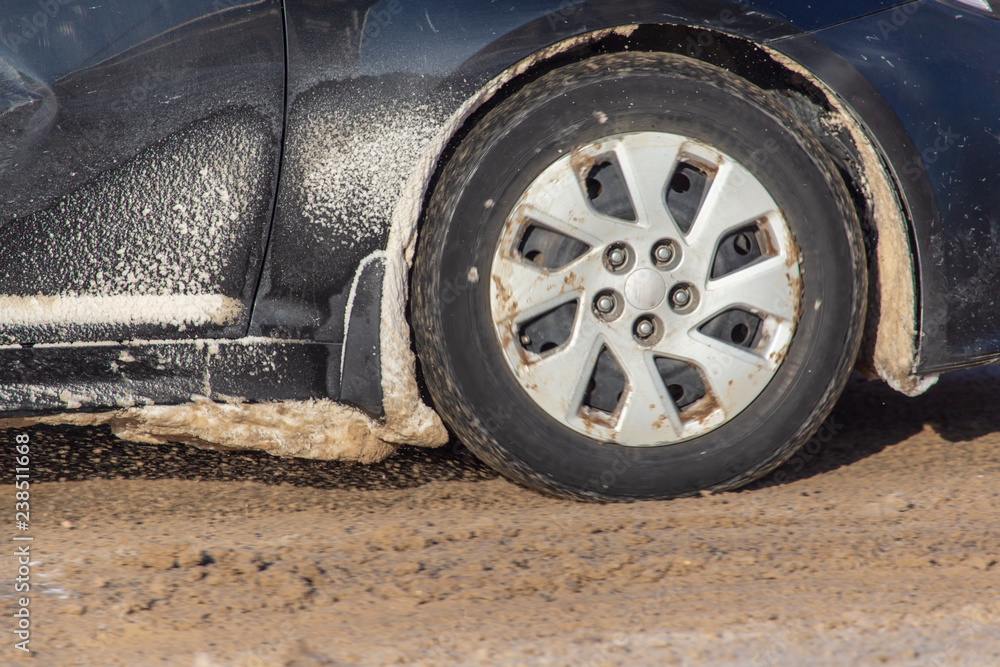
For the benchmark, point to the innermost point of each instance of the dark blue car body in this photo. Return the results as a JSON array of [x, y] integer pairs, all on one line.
[[257, 152]]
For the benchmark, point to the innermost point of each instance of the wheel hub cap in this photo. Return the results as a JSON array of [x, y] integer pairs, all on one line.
[[645, 289]]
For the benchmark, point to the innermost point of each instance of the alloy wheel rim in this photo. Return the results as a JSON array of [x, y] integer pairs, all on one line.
[[645, 289]]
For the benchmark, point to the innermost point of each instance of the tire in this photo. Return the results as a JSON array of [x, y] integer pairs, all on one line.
[[607, 350]]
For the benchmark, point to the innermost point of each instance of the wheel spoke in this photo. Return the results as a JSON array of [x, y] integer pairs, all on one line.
[[767, 286], [734, 198], [649, 415], [523, 291], [559, 380], [647, 166], [732, 373], [559, 202]]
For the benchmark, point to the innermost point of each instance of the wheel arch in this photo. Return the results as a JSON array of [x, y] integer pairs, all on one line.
[[891, 336]]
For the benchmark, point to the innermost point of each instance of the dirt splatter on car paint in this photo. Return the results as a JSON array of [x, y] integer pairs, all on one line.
[[164, 224]]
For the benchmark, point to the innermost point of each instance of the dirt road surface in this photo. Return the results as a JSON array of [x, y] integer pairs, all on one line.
[[878, 545]]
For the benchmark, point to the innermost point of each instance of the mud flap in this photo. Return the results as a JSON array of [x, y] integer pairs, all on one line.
[[361, 369]]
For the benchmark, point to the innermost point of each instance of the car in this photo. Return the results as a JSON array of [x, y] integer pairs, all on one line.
[[622, 250]]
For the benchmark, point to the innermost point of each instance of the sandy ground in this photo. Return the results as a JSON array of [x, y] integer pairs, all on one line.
[[879, 546]]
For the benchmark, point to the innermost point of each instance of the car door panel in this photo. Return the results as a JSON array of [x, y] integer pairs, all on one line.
[[138, 169]]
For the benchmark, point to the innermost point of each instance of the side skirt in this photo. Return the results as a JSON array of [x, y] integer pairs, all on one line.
[[108, 376]]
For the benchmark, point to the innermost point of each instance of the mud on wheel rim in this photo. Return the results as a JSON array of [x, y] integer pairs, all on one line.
[[645, 289]]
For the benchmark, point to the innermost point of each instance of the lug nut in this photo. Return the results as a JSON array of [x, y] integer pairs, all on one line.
[[663, 253], [618, 257], [681, 297], [605, 303], [644, 328]]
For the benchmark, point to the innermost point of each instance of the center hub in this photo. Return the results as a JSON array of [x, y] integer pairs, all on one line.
[[645, 289]]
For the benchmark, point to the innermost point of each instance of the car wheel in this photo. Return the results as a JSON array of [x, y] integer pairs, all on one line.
[[638, 277]]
